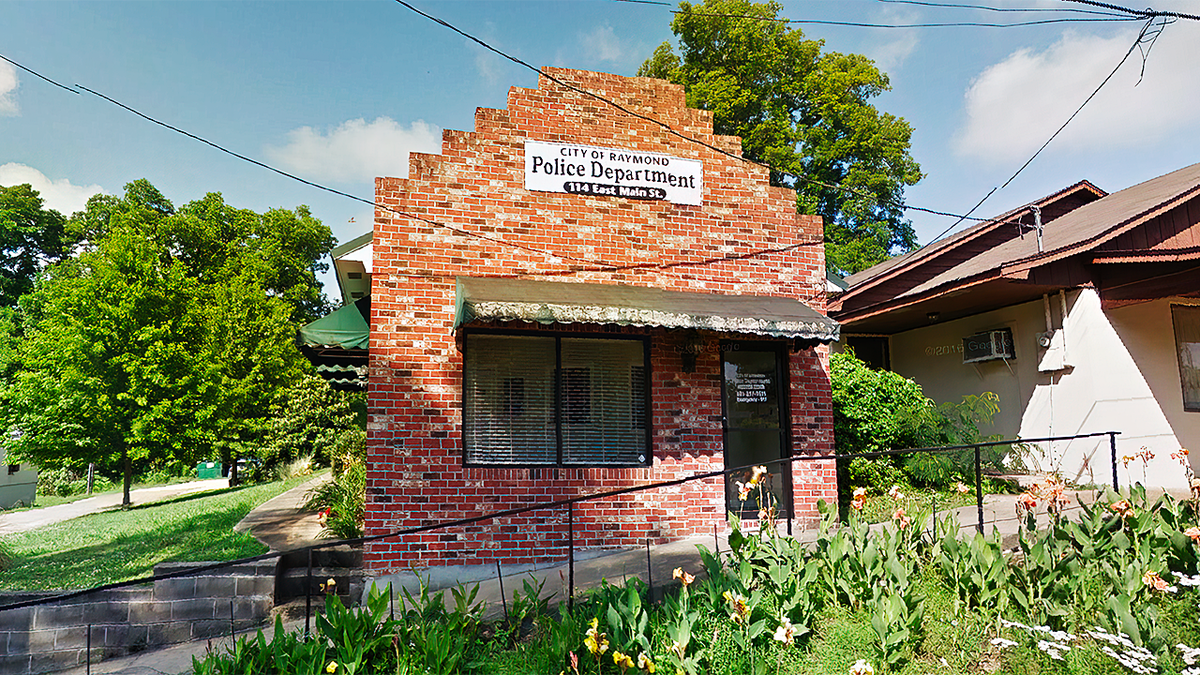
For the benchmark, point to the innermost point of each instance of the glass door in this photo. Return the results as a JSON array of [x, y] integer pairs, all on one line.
[[755, 405]]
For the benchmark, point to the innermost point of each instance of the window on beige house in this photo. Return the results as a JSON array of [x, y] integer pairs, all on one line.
[[1187, 347]]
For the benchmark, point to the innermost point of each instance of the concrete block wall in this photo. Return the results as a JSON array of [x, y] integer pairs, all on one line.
[[47, 638], [416, 475]]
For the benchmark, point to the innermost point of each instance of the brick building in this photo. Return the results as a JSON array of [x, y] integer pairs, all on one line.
[[579, 303]]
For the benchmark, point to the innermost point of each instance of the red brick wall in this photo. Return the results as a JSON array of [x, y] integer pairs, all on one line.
[[414, 447]]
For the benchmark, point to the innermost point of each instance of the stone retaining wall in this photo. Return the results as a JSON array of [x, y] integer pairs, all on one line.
[[51, 637]]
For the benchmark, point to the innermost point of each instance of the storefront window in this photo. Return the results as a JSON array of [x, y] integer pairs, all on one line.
[[537, 400]]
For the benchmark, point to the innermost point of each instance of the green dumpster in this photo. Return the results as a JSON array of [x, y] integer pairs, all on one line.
[[206, 470]]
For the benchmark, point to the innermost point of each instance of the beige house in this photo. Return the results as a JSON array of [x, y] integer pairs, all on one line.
[[1080, 310]]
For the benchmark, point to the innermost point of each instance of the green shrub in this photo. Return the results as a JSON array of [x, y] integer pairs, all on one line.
[[342, 500], [312, 421], [68, 482], [878, 410]]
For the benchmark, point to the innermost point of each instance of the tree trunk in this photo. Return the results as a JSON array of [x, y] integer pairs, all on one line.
[[127, 468]]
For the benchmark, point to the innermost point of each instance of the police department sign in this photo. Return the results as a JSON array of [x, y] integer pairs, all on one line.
[[612, 172]]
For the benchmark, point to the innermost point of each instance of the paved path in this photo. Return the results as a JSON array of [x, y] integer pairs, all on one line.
[[292, 528], [282, 523], [22, 521]]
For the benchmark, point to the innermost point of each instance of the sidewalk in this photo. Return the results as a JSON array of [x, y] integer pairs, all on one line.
[[277, 523], [22, 521]]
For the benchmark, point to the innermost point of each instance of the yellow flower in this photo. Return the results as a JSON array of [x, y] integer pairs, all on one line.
[[743, 490], [737, 602], [327, 587], [332, 667], [644, 663], [622, 660], [596, 642]]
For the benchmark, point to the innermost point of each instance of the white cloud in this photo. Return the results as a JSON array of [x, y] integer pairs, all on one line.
[[602, 44], [356, 150], [889, 54], [8, 90], [1013, 106], [59, 195], [488, 65]]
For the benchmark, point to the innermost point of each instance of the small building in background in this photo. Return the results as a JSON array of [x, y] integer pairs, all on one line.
[[1080, 310], [574, 298], [18, 483]]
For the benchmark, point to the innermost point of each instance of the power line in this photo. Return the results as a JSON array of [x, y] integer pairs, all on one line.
[[594, 265], [1139, 13], [986, 8], [37, 74], [668, 128], [319, 186], [1136, 44], [863, 24]]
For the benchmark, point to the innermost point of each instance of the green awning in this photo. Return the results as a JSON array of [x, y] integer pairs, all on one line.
[[546, 302], [346, 327]]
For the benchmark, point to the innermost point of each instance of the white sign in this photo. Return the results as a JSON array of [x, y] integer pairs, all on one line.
[[612, 172]]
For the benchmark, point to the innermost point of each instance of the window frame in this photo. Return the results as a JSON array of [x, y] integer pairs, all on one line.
[[1183, 393], [559, 413]]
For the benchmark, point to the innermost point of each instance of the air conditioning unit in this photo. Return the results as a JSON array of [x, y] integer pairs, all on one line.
[[988, 346]]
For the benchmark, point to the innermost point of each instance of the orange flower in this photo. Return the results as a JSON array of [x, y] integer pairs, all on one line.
[[1122, 508], [901, 519], [1194, 533], [1152, 579], [686, 578], [757, 474], [1027, 500], [961, 488], [860, 499]]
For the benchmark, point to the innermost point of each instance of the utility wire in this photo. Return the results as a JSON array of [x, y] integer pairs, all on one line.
[[592, 265], [1138, 13], [455, 230], [39, 75], [985, 8], [668, 128], [1116, 17], [1136, 44]]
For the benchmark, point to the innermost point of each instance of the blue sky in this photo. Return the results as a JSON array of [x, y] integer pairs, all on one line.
[[339, 92]]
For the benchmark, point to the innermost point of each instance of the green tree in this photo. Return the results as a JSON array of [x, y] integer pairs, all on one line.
[[31, 237], [806, 113], [234, 284], [113, 365]]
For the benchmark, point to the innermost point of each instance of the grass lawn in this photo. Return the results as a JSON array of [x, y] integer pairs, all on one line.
[[125, 544]]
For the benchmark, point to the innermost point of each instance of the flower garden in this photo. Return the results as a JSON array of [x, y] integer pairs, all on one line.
[[1115, 590]]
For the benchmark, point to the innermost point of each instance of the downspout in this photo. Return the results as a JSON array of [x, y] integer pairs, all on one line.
[[1037, 225]]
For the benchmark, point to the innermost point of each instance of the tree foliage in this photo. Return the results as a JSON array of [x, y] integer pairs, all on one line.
[[169, 338], [805, 112], [31, 237], [112, 365]]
